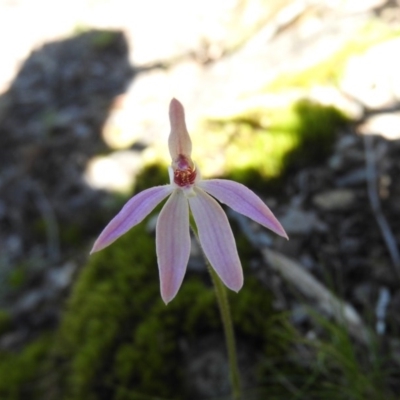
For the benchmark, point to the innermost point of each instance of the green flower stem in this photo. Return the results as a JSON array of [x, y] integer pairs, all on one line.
[[223, 303], [224, 308]]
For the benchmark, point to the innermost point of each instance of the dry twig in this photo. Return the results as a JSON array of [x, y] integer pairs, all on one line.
[[373, 196]]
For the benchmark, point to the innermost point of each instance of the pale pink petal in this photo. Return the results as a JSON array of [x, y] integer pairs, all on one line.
[[179, 140], [133, 212], [216, 239], [244, 201], [173, 244]]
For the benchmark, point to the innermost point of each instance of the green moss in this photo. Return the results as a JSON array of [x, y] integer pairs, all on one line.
[[17, 277], [104, 309], [118, 338], [5, 321], [153, 175], [315, 133], [21, 373], [265, 144], [105, 39], [71, 234], [117, 335], [99, 39]]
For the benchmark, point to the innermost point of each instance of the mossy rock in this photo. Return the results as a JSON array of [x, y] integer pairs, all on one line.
[[118, 339], [268, 144], [316, 130]]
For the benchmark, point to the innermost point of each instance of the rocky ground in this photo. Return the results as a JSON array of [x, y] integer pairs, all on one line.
[[341, 213]]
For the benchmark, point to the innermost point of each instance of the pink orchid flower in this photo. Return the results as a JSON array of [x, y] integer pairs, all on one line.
[[188, 190]]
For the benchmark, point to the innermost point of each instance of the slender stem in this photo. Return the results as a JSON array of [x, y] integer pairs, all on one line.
[[226, 318]]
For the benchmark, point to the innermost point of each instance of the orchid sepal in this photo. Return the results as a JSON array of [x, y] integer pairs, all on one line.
[[172, 244], [242, 200], [216, 239], [133, 212]]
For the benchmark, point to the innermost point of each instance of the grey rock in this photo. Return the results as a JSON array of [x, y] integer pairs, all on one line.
[[346, 141], [298, 222], [299, 314], [337, 199], [336, 162], [29, 301], [355, 177], [13, 339], [363, 293], [60, 278]]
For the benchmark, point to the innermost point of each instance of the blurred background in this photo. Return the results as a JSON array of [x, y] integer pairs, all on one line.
[[297, 99]]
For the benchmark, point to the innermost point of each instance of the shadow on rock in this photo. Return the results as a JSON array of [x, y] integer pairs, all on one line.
[[50, 125]]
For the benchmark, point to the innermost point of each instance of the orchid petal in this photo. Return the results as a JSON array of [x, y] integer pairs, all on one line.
[[244, 201], [179, 140], [133, 212], [173, 244], [216, 239]]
